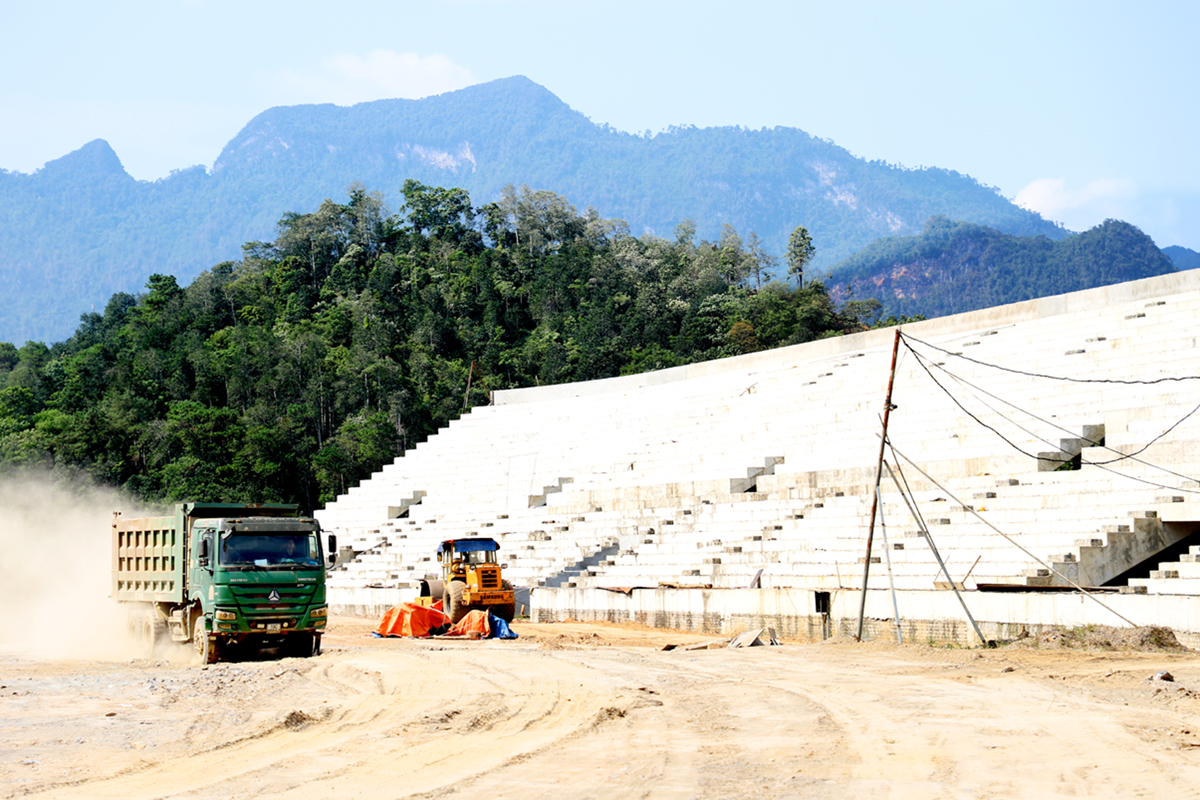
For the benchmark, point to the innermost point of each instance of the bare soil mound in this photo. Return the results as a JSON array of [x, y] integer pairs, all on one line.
[[1099, 637]]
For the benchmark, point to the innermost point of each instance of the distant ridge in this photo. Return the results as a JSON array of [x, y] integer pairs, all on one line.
[[955, 267], [1182, 257], [80, 228]]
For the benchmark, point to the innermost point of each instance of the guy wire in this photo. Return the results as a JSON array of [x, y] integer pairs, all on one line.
[[1008, 538]]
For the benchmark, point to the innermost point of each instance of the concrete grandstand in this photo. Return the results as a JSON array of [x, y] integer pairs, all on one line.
[[1045, 448]]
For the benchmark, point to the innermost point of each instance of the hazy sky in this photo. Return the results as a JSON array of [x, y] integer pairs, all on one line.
[[1081, 110]]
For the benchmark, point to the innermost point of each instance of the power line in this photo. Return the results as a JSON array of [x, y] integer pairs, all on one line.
[[1101, 464], [1168, 379], [1121, 456], [965, 410]]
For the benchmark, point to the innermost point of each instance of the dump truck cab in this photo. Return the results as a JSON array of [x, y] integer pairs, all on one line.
[[261, 580]]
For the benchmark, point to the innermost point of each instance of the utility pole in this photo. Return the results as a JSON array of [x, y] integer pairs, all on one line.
[[887, 411]]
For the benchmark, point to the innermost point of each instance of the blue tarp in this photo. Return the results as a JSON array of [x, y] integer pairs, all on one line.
[[500, 629]]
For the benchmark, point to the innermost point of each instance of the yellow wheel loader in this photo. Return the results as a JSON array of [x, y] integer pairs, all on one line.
[[470, 580]]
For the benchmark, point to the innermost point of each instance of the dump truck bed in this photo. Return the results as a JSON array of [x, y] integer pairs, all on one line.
[[150, 553], [148, 560]]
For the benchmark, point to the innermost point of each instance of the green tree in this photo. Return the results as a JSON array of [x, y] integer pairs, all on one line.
[[800, 252], [443, 213]]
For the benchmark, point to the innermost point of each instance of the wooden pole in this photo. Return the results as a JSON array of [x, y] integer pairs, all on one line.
[[887, 411]]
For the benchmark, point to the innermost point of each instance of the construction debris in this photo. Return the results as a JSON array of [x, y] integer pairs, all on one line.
[[753, 638]]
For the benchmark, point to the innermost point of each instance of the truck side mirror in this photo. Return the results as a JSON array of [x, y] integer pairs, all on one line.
[[332, 548], [203, 555]]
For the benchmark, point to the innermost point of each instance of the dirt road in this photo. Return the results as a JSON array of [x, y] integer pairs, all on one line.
[[584, 711]]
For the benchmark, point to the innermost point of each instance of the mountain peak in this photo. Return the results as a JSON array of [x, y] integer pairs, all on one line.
[[510, 87], [95, 158], [513, 108]]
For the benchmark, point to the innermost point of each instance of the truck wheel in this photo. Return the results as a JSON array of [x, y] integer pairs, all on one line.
[[454, 607], [506, 611], [304, 645], [204, 642], [153, 630]]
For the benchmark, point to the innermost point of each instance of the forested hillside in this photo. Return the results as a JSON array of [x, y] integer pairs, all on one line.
[[296, 371], [80, 229], [952, 267]]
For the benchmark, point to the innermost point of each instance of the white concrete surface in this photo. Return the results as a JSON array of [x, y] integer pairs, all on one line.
[[703, 475]]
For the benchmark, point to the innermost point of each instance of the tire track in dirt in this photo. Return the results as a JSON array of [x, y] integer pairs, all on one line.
[[391, 714], [910, 734], [676, 731], [396, 719]]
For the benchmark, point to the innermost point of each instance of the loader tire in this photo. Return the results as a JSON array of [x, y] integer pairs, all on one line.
[[208, 649], [453, 603], [506, 611]]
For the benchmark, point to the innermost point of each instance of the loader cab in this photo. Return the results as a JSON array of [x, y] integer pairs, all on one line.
[[459, 557]]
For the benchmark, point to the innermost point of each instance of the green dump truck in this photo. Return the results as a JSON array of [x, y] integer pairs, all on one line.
[[223, 574]]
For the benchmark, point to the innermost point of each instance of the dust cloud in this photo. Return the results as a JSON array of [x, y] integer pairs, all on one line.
[[55, 571]]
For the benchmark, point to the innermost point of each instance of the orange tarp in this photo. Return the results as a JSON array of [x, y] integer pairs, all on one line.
[[474, 621], [409, 619]]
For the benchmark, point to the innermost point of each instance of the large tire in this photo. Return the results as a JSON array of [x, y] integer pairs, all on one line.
[[152, 631], [506, 611], [304, 645], [453, 604], [207, 648]]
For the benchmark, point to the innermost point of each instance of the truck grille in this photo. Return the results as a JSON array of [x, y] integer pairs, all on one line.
[[255, 601]]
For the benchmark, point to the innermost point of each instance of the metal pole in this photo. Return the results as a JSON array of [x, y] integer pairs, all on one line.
[[887, 410], [938, 556], [1011, 540], [887, 557]]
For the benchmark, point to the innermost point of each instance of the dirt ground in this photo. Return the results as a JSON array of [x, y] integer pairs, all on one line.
[[602, 711]]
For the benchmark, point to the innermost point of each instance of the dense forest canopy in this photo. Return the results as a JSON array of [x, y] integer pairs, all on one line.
[[300, 369]]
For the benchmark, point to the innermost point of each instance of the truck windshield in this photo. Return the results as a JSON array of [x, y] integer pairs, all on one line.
[[269, 550]]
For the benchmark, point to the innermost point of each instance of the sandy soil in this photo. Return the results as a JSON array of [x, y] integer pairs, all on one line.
[[583, 711]]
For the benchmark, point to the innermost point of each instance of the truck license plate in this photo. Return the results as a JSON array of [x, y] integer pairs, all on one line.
[[273, 627]]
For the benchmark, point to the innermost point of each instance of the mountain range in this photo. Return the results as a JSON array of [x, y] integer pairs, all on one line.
[[81, 228]]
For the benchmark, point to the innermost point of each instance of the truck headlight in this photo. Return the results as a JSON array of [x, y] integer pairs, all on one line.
[[225, 615], [316, 613]]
